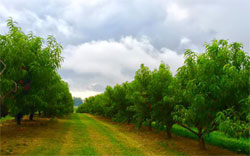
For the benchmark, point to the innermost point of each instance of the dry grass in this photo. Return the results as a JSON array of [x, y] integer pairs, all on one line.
[[17, 139]]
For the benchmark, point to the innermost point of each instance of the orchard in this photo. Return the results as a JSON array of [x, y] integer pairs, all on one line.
[[210, 92]]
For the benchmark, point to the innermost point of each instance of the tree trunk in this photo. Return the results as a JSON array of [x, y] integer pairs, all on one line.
[[128, 120], [39, 113], [168, 128], [201, 139], [202, 142], [199, 134], [19, 118], [140, 125], [31, 116], [150, 125]]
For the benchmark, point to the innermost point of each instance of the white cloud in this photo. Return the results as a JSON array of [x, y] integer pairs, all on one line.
[[173, 59], [186, 43], [110, 57], [176, 13], [184, 40], [116, 61]]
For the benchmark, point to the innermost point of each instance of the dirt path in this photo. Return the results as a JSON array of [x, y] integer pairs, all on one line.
[[84, 134]]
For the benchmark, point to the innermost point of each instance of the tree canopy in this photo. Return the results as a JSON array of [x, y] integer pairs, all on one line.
[[29, 78]]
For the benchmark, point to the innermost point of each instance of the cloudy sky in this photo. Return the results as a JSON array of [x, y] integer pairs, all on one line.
[[105, 41]]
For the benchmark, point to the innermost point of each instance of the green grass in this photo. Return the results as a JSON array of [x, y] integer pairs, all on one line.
[[79, 136], [61, 135], [112, 137], [218, 139], [75, 108], [2, 120]]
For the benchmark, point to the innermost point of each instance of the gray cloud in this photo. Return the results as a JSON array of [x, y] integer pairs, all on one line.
[[155, 28], [164, 22]]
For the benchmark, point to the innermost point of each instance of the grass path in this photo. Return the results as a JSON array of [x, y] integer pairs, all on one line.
[[77, 140], [143, 140], [109, 142], [81, 134]]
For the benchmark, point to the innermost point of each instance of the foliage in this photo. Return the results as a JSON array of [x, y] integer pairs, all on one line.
[[6, 118], [161, 96], [140, 95], [31, 68], [230, 123], [211, 82]]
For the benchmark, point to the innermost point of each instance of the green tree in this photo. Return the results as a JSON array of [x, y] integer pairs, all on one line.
[[206, 85], [122, 103], [140, 96], [161, 97], [29, 65]]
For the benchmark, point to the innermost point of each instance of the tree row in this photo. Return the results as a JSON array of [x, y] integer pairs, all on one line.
[[29, 80], [209, 92]]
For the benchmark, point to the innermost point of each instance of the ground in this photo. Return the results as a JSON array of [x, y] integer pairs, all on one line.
[[84, 134]]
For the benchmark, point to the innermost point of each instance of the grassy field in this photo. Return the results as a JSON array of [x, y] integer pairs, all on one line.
[[6, 118], [84, 134]]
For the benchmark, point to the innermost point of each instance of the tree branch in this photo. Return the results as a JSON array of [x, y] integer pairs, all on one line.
[[9, 92], [188, 128], [4, 67], [12, 90]]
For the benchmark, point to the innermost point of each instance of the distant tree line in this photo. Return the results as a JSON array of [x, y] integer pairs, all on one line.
[[28, 76], [77, 101], [209, 92]]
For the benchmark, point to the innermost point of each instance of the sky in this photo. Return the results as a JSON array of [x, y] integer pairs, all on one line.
[[105, 41]]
